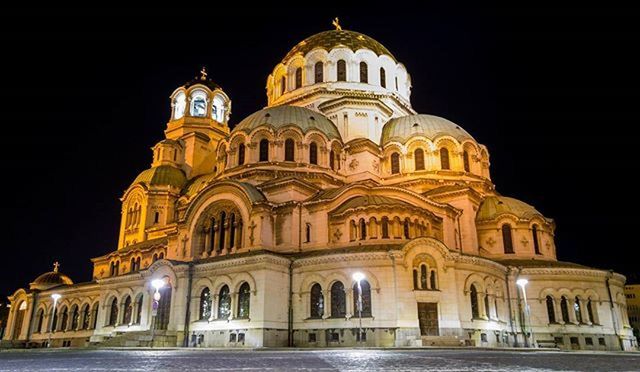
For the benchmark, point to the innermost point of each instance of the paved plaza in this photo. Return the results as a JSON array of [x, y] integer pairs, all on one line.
[[314, 360]]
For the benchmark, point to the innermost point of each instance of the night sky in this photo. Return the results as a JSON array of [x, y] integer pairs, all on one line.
[[552, 93]]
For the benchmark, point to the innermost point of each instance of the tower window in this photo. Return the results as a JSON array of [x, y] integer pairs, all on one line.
[[264, 150], [551, 313], [313, 153], [465, 159], [289, 148], [419, 159], [156, 217], [299, 77], [395, 163], [507, 241], [319, 73], [444, 158], [179, 105], [363, 229], [475, 310], [383, 77], [199, 104], [364, 72], [536, 244], [241, 151], [308, 233], [342, 70]]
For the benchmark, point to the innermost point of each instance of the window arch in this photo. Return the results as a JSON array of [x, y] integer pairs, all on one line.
[[385, 227], [179, 104], [221, 235], [113, 313], [338, 303], [299, 77], [205, 304], [264, 149], [75, 317], [395, 163], [364, 72], [363, 229], [313, 153], [86, 314], [244, 301], [199, 104], [316, 301], [444, 158], [232, 230], [423, 276], [224, 304], [94, 315], [128, 311], [590, 312], [578, 310], [465, 160], [40, 321], [319, 72], [564, 308], [366, 298], [342, 70], [536, 243], [551, 312], [289, 150], [241, 153], [139, 309], [383, 77], [475, 311], [418, 156], [507, 240], [64, 319]]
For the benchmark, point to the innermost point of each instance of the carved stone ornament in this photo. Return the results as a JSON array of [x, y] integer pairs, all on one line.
[[491, 242], [353, 164]]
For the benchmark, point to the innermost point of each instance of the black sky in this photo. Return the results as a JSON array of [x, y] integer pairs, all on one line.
[[553, 93]]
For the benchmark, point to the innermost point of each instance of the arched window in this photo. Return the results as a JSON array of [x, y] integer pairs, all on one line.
[[138, 264], [342, 70], [199, 104], [313, 153], [383, 77], [232, 230], [395, 163], [155, 257], [592, 319], [319, 72], [444, 158], [64, 319], [156, 217], [385, 227], [364, 72], [161, 256], [299, 77], [415, 279], [223, 217], [551, 312], [224, 303], [366, 298], [128, 311], [577, 310], [289, 150], [75, 317], [316, 301], [241, 151], [475, 311], [307, 233], [179, 104], [86, 316], [332, 160], [536, 244], [507, 241], [433, 281], [338, 302], [363, 229], [139, 310], [423, 276], [564, 308], [487, 310], [244, 301], [94, 315], [419, 159], [40, 321], [205, 304], [407, 234], [133, 264], [465, 160], [264, 150], [113, 313], [283, 85]]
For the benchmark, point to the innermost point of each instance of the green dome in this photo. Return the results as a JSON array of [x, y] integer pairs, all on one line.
[[281, 116], [163, 175], [495, 206], [406, 127], [328, 40]]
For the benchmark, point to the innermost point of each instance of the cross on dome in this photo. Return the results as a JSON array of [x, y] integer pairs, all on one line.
[[203, 73], [55, 266], [336, 23]]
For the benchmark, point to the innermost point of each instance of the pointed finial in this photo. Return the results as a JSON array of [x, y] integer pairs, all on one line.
[[203, 73], [55, 266], [336, 23]]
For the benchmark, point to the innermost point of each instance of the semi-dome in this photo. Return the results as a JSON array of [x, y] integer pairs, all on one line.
[[50, 280], [495, 206], [328, 40], [163, 175], [282, 116], [406, 127]]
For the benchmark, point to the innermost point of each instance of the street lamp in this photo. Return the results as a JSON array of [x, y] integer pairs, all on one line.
[[358, 277], [55, 297], [157, 284], [522, 283]]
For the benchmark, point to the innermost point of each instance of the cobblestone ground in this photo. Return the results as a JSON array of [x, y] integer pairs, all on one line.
[[314, 360]]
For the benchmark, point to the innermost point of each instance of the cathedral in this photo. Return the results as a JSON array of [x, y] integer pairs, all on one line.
[[335, 216]]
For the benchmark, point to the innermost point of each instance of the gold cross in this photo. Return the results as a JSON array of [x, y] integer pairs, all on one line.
[[55, 266], [336, 22], [203, 73]]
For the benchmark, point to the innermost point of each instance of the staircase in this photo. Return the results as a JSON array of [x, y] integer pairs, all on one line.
[[137, 339], [442, 341]]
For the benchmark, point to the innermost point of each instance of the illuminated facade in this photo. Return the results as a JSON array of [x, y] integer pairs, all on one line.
[[258, 230]]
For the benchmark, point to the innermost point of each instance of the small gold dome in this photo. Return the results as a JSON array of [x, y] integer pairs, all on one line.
[[50, 280]]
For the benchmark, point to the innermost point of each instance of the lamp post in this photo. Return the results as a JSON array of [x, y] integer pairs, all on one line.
[[522, 283], [55, 297], [157, 284], [358, 277]]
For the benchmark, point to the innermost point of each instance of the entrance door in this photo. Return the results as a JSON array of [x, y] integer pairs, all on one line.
[[164, 308], [428, 318]]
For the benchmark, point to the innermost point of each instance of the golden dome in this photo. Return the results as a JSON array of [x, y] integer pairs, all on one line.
[[406, 127], [495, 206], [51, 279]]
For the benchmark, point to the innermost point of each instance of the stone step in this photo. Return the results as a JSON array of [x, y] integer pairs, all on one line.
[[442, 341]]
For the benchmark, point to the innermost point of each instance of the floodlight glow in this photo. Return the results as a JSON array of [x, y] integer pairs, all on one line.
[[522, 282], [358, 276], [157, 284]]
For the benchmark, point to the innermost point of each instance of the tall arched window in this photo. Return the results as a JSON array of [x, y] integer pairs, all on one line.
[[40, 320], [223, 217], [139, 310], [342, 70], [283, 85], [338, 303], [407, 233], [507, 241], [432, 280], [241, 152], [551, 312], [366, 298], [419, 159], [319, 72], [264, 149], [75, 317], [94, 315], [289, 150], [475, 311], [487, 310], [205, 304], [113, 313], [415, 279], [128, 311], [536, 244], [383, 77], [577, 310], [64, 318], [199, 104], [179, 104], [316, 301], [385, 227], [313, 153], [86, 314], [564, 309], [465, 160], [592, 319], [364, 72], [232, 230], [395, 163], [299, 77], [332, 160], [244, 300], [133, 264], [224, 303], [363, 229], [423, 276], [307, 233], [444, 158]]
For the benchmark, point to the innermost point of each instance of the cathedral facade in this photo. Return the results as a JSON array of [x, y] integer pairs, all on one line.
[[335, 216]]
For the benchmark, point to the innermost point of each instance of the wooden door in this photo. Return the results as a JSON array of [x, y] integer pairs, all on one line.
[[428, 318]]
